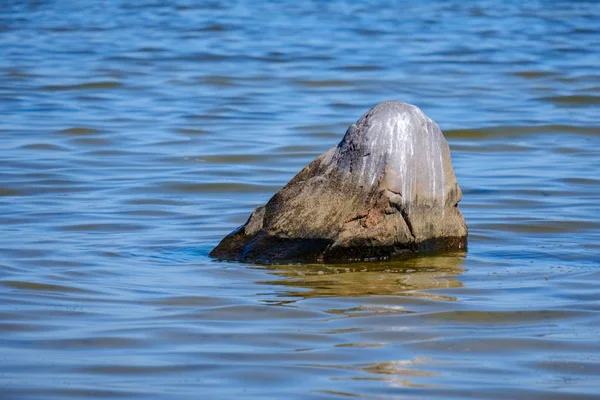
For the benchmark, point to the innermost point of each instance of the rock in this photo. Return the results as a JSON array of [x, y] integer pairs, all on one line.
[[387, 189]]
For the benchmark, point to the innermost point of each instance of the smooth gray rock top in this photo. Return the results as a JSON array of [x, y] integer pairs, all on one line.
[[386, 189], [399, 141]]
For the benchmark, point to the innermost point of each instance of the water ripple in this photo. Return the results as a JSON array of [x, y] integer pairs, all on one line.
[[136, 134]]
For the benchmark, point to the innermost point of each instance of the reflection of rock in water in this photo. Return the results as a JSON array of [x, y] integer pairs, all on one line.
[[399, 373], [408, 278]]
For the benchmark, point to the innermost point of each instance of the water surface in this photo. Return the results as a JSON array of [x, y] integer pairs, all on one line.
[[134, 135]]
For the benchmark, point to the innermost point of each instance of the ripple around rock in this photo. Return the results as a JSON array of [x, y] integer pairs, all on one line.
[[387, 189]]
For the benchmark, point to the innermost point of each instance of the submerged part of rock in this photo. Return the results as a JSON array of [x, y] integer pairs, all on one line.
[[387, 189]]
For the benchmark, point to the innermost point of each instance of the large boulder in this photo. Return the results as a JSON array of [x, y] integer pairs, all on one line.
[[386, 190]]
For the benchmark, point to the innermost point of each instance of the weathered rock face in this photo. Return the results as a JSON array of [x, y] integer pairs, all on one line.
[[387, 189]]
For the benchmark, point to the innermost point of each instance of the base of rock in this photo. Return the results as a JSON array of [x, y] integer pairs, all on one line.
[[265, 248]]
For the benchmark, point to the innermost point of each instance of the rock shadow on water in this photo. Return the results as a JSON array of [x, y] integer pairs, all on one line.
[[411, 277]]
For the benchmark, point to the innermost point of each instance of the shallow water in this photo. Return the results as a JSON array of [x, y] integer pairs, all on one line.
[[134, 135]]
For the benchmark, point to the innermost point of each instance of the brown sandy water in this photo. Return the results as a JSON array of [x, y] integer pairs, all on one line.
[[134, 135]]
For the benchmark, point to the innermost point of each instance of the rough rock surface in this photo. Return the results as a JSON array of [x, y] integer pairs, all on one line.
[[387, 189]]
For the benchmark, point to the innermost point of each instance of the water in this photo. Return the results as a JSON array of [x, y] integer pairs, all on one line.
[[134, 135]]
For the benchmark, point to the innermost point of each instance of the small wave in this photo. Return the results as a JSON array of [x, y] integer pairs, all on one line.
[[79, 130], [84, 86], [515, 131], [573, 100], [43, 287]]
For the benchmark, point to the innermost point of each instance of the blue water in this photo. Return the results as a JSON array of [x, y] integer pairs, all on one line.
[[135, 135]]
